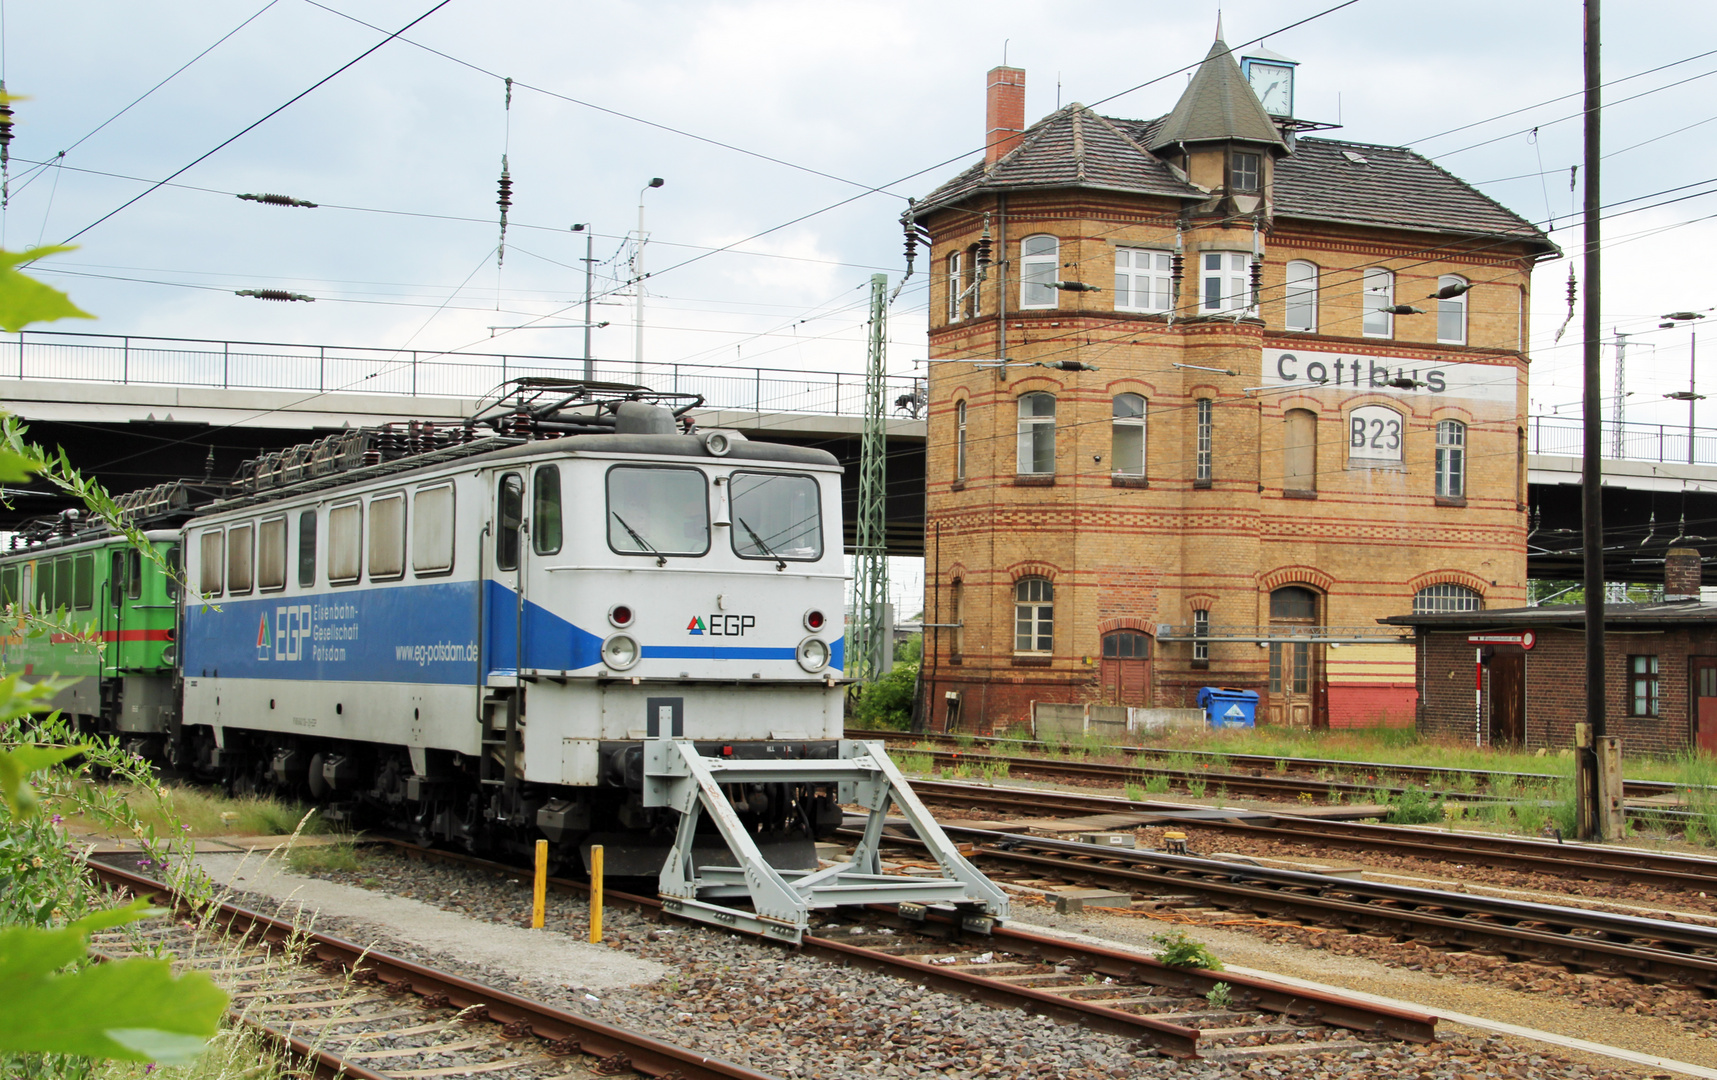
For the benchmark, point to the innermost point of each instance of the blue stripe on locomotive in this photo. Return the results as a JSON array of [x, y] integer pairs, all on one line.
[[406, 633]]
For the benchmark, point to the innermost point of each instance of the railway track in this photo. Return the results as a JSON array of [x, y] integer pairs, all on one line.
[[346, 1010], [1178, 1011], [1580, 939], [1454, 780], [1574, 861]]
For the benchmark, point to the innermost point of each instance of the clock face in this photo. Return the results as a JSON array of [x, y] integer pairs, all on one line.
[[1274, 85]]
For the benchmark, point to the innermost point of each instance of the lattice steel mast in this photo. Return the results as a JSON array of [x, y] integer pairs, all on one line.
[[867, 659]]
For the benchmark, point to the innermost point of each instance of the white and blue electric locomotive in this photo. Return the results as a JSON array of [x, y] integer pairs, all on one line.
[[476, 631]]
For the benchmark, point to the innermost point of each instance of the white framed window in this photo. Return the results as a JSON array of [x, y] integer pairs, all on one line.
[[960, 439], [1451, 459], [1034, 615], [1143, 279], [1206, 440], [956, 284], [1036, 434], [1224, 286], [1200, 634], [345, 543], [432, 530], [1375, 435], [1300, 450], [1444, 598], [1379, 294], [387, 536], [211, 563], [1039, 258], [1300, 310], [1127, 436], [1452, 313], [241, 555], [271, 554]]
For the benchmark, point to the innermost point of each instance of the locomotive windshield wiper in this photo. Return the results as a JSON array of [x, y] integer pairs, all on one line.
[[643, 544], [780, 564]]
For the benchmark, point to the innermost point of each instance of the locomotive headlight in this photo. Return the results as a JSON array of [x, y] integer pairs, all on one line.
[[814, 620], [619, 652], [813, 654]]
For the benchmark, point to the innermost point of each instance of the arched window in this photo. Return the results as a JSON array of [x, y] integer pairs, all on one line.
[[1451, 459], [1039, 257], [956, 284], [1452, 312], [1034, 615], [1127, 440], [1447, 597], [1200, 636], [1294, 603], [1301, 293], [1379, 295], [960, 439], [957, 601], [1036, 434], [1300, 451]]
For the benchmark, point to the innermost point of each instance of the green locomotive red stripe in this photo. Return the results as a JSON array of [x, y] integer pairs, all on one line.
[[163, 634]]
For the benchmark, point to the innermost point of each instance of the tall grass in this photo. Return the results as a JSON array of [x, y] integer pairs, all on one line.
[[202, 811]]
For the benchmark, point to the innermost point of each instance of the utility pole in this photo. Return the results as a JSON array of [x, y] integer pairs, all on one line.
[[1618, 413], [589, 269], [870, 630], [638, 283], [1598, 781]]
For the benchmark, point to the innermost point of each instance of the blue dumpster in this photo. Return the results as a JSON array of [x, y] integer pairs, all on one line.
[[1227, 707]]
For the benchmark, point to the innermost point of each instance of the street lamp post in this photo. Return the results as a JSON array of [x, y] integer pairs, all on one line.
[[1690, 395], [638, 282], [589, 265]]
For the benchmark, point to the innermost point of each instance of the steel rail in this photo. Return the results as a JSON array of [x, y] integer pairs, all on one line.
[[1564, 860], [1575, 937], [1173, 1039], [567, 1031]]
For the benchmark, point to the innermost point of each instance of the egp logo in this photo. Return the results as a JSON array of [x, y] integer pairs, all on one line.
[[718, 625], [291, 630]]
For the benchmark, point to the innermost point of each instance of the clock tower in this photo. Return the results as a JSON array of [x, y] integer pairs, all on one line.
[[1272, 78]]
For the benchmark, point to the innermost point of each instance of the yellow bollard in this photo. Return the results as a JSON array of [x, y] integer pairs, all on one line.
[[539, 889], [595, 894]]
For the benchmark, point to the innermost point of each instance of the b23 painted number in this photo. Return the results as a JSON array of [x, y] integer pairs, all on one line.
[[1385, 435]]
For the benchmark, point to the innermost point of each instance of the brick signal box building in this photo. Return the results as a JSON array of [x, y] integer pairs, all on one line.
[[1208, 397]]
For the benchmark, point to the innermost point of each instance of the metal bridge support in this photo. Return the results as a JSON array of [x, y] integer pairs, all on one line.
[[676, 775]]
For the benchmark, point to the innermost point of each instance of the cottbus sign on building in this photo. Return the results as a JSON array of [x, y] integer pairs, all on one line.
[[1307, 370]]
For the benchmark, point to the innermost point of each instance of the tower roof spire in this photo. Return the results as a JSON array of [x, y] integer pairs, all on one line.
[[1218, 105]]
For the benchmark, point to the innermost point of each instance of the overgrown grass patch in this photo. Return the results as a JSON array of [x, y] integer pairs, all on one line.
[[207, 812], [323, 858]]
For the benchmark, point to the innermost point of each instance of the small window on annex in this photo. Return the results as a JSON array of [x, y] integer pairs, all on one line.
[[1452, 312], [1245, 171], [1300, 451], [545, 510], [271, 554], [1300, 309], [1127, 436], [345, 543], [1039, 259], [1642, 686], [1379, 295], [1143, 279], [241, 554], [211, 561], [1036, 434], [1446, 598], [387, 536], [775, 517], [432, 530], [307, 549], [658, 511], [1034, 615]]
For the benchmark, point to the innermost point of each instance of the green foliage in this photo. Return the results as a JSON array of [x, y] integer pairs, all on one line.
[[995, 770], [1157, 784], [1414, 807], [24, 300], [887, 702], [917, 764], [1195, 788], [910, 651], [322, 858], [1220, 996], [1177, 950]]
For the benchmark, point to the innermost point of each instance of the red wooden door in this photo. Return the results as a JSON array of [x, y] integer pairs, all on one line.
[[1126, 671], [1705, 703]]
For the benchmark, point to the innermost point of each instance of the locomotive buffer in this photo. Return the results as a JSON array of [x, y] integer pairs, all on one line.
[[677, 776]]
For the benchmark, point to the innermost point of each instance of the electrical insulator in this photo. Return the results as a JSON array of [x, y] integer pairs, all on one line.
[[5, 127], [1402, 309], [277, 200], [1449, 292], [274, 294], [505, 202]]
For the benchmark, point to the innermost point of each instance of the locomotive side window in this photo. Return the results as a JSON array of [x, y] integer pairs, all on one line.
[[116, 578], [658, 511], [432, 530], [387, 536], [345, 543], [45, 585], [63, 582], [8, 586], [83, 581], [545, 510], [271, 554], [134, 574], [241, 566], [211, 563], [175, 571], [776, 517], [307, 550], [510, 508]]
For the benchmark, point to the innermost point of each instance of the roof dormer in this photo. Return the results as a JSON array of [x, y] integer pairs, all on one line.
[[1221, 136]]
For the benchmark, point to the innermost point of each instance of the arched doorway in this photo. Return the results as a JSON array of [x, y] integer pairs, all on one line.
[[1126, 670], [1297, 690]]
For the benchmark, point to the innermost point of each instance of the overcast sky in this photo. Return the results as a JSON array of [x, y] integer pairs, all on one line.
[[403, 151]]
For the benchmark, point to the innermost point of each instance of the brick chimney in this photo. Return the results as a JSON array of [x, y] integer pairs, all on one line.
[[1004, 112], [1683, 573]]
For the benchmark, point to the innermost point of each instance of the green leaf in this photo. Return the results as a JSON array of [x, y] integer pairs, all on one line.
[[24, 300], [15, 468], [19, 762]]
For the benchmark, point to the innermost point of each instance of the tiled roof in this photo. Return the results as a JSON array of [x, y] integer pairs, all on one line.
[[1071, 147], [1218, 104]]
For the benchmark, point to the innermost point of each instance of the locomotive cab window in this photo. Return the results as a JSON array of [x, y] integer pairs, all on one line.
[[345, 543], [63, 582], [271, 554], [432, 530], [510, 509], [656, 510], [83, 581], [134, 574], [545, 510], [387, 536], [240, 567], [116, 578], [776, 517], [45, 585], [211, 562], [307, 549], [175, 571], [8, 586]]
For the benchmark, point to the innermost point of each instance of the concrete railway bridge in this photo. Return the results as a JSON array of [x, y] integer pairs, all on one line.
[[134, 411]]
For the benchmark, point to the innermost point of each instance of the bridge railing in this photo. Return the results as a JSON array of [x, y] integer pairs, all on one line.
[[1666, 443], [250, 365]]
